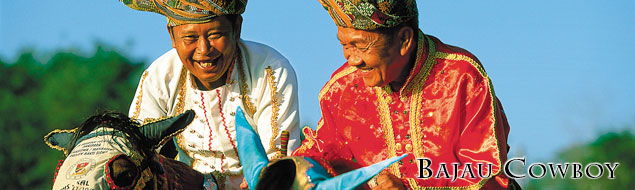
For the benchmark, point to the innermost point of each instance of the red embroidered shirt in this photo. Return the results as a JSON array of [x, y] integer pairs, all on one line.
[[446, 111]]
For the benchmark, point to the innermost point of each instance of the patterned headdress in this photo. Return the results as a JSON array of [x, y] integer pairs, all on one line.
[[370, 14], [181, 12]]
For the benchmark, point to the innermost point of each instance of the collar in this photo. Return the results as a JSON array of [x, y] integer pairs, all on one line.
[[425, 48]]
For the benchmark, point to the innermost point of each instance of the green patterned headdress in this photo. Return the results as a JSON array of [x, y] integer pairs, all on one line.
[[370, 14], [181, 12]]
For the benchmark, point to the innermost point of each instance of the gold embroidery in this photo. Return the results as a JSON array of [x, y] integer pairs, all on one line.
[[181, 88], [408, 88], [180, 144], [416, 102], [458, 57], [386, 124], [310, 138], [249, 109], [320, 124], [148, 121], [275, 107], [57, 147], [137, 109], [337, 76], [221, 177], [244, 88], [416, 99], [167, 138], [415, 118], [415, 105]]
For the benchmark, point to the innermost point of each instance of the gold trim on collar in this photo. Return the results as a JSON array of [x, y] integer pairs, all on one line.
[[417, 69], [244, 88], [416, 98], [383, 98], [182, 91]]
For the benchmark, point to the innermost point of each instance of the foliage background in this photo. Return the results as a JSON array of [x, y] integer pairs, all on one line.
[[57, 92]]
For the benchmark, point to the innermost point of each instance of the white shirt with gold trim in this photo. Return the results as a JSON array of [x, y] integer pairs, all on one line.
[[263, 84]]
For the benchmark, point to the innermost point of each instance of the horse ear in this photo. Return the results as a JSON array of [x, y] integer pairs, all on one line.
[[60, 139], [161, 131], [352, 179], [251, 153]]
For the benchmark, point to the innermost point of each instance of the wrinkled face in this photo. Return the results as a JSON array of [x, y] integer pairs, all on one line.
[[207, 49], [373, 54]]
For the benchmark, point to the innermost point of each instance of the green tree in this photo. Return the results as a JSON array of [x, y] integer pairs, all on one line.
[[36, 98], [610, 147]]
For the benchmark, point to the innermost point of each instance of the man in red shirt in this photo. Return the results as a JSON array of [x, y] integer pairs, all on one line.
[[402, 91]]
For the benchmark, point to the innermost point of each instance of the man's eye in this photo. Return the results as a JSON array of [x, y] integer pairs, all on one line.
[[362, 48], [215, 36], [189, 39]]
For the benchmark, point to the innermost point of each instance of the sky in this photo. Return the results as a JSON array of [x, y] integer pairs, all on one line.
[[562, 69]]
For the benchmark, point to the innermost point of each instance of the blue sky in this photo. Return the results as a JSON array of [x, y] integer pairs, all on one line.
[[562, 69]]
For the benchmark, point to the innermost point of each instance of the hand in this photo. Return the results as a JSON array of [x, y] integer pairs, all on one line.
[[386, 180], [244, 185]]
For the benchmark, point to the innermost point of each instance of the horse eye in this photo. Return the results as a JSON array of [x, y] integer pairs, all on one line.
[[123, 172]]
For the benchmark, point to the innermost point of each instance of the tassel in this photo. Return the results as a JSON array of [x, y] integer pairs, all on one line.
[[284, 142]]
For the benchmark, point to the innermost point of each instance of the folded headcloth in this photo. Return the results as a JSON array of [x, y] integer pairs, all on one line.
[[180, 12], [370, 14]]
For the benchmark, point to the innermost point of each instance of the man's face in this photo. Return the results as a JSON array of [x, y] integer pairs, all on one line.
[[373, 54], [206, 49]]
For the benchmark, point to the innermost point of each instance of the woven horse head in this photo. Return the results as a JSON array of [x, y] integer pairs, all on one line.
[[111, 151]]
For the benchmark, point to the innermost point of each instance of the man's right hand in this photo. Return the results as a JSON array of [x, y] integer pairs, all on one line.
[[244, 185], [388, 181]]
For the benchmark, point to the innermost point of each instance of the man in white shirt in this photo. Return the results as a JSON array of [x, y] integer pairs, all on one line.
[[212, 71]]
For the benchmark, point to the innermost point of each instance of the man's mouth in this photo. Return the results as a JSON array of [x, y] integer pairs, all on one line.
[[208, 63], [365, 69]]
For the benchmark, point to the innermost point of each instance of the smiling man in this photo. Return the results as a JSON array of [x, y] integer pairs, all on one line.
[[212, 71], [402, 91]]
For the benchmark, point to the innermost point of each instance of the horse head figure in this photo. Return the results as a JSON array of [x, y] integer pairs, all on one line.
[[293, 172], [111, 151]]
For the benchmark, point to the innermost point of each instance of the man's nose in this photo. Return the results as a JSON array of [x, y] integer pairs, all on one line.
[[204, 47], [354, 60]]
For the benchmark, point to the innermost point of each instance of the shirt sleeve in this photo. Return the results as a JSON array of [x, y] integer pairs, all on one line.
[[325, 145], [483, 136], [277, 107], [148, 101]]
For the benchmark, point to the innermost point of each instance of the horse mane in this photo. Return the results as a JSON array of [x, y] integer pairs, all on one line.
[[117, 121]]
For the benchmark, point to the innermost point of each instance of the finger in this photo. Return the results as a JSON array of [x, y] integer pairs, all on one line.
[[381, 178], [380, 186], [244, 185]]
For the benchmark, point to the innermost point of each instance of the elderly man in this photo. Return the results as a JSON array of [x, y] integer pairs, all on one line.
[[211, 71], [402, 91]]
